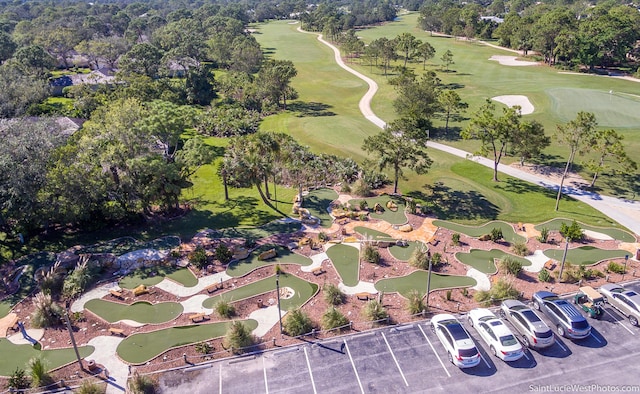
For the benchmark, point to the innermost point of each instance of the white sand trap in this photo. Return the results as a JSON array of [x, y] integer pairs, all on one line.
[[526, 107], [512, 61], [597, 235]]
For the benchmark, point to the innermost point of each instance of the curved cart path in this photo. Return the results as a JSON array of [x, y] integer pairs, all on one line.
[[625, 212]]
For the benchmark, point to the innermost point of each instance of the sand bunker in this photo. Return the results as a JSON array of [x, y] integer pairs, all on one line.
[[511, 61], [526, 107]]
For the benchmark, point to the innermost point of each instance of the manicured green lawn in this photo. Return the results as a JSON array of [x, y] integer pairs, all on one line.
[[417, 280], [17, 356], [317, 202], [614, 233], [585, 255], [140, 348], [373, 234], [253, 233], [284, 256], [389, 216], [483, 260], [346, 260], [477, 231], [141, 311], [303, 291], [151, 276], [403, 253]]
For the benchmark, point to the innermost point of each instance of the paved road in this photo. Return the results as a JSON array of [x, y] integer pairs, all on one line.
[[625, 212]]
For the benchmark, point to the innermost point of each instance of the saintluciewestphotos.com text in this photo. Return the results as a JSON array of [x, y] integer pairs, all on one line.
[[577, 388]]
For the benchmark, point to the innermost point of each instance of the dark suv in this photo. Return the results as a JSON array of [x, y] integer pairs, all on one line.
[[568, 320]]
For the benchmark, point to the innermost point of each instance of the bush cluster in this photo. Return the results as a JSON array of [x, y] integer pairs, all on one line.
[[503, 289], [520, 249], [297, 323], [333, 318], [510, 266], [615, 268], [415, 304], [333, 295], [374, 311]]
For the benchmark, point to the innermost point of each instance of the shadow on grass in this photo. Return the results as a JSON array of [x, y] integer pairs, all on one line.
[[453, 134], [517, 186], [311, 109], [450, 204]]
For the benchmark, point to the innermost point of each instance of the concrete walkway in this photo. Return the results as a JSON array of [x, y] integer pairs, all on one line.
[[482, 280]]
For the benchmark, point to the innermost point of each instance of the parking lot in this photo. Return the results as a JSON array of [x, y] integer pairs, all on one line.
[[410, 359]]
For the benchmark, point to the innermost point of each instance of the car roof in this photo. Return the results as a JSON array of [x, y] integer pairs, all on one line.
[[544, 294], [455, 329], [442, 317], [499, 328], [481, 313], [633, 296], [513, 304], [569, 310], [612, 287]]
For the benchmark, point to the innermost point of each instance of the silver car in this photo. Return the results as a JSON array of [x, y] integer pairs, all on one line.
[[626, 301], [534, 331]]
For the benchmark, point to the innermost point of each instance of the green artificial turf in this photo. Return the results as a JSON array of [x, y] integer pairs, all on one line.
[[317, 202], [389, 216], [140, 348], [284, 256], [417, 280], [373, 234], [483, 260], [508, 232], [403, 253], [141, 311], [346, 260], [253, 233], [303, 291], [151, 276], [615, 233], [17, 356], [585, 255]]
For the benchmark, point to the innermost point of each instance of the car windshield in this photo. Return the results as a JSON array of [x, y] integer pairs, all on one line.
[[457, 332], [545, 334], [580, 325], [468, 352], [529, 315], [508, 340]]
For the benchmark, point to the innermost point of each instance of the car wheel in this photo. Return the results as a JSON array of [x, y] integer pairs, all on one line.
[[633, 320], [525, 341], [470, 321], [493, 350], [451, 358], [502, 314], [433, 329], [560, 330], [536, 305]]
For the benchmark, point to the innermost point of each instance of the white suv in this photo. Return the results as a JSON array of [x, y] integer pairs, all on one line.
[[456, 340]]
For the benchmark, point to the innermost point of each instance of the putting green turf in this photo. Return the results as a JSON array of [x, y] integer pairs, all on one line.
[[508, 233], [140, 348], [284, 256], [389, 216], [303, 291], [373, 234], [153, 275], [403, 253], [620, 235], [483, 260], [346, 260], [141, 311], [317, 202], [585, 255], [17, 356], [615, 109], [417, 280]]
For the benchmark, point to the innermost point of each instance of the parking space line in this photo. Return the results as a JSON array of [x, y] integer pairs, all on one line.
[[616, 321], [313, 383], [485, 361], [524, 353], [594, 337], [434, 350], [346, 346], [562, 347], [264, 368], [220, 374], [394, 359]]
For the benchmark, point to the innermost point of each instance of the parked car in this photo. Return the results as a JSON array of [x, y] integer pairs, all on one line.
[[567, 319], [626, 301], [535, 333], [502, 343], [460, 348]]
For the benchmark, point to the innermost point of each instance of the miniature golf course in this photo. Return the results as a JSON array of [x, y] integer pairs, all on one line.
[[317, 202], [615, 233], [151, 276], [585, 255], [508, 233], [283, 256], [373, 234], [483, 260], [141, 311], [389, 216], [303, 291], [19, 355], [417, 280], [403, 253], [346, 260], [140, 348]]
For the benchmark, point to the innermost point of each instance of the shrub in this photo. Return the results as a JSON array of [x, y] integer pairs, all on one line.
[[415, 304], [420, 258], [465, 292], [615, 268], [520, 249], [224, 254], [204, 348], [46, 313], [363, 217], [198, 257], [510, 266], [91, 388], [572, 232], [436, 259], [38, 371], [225, 309], [448, 295], [333, 295], [238, 338], [455, 238], [52, 281], [569, 274], [503, 289], [544, 276], [374, 311], [142, 385], [544, 235], [322, 236], [297, 323], [361, 188], [278, 270], [362, 205], [76, 282], [18, 380], [333, 318], [370, 253], [496, 234], [411, 206]]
